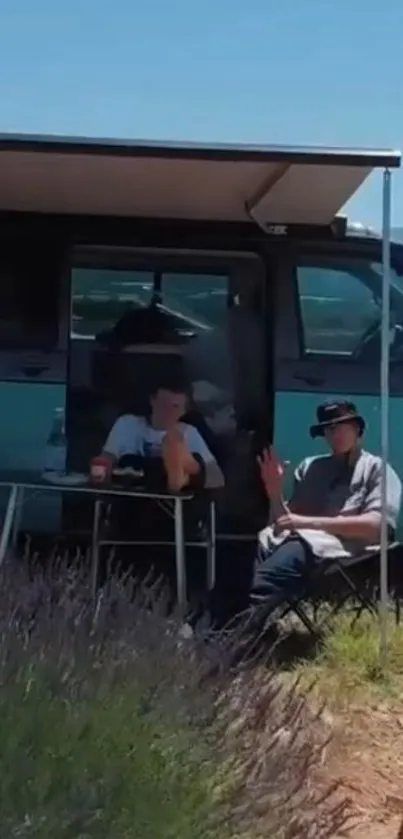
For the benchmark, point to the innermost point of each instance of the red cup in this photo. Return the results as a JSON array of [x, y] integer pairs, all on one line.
[[100, 469]]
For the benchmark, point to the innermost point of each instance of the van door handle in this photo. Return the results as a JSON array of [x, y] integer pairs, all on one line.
[[310, 380]]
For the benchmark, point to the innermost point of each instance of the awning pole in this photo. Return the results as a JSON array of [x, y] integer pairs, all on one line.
[[385, 347]]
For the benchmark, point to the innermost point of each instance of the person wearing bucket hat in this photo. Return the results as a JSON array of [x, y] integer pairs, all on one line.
[[334, 511], [333, 413]]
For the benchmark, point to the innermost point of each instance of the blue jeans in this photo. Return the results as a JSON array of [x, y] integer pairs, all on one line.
[[281, 574]]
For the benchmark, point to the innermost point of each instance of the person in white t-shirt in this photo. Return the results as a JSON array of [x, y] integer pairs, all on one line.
[[162, 434]]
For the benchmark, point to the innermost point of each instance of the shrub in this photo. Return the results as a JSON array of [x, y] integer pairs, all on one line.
[[109, 728]]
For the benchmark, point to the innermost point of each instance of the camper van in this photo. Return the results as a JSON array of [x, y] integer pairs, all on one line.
[[261, 290]]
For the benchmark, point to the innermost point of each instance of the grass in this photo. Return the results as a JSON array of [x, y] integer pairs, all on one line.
[[108, 726], [349, 665]]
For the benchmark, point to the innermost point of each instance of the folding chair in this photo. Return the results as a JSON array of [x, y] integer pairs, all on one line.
[[336, 578]]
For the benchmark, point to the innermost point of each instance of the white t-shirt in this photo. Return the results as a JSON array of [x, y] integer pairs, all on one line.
[[134, 435]]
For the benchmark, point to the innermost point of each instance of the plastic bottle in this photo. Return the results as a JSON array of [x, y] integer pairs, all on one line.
[[56, 446]]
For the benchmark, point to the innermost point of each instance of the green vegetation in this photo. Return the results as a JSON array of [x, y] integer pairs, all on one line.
[[96, 764], [348, 664], [110, 728]]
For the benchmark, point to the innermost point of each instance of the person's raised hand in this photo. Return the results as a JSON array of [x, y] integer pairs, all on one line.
[[272, 473], [174, 445], [173, 458], [174, 435]]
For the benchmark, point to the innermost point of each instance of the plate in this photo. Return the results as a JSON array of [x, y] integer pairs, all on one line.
[[71, 480], [128, 472]]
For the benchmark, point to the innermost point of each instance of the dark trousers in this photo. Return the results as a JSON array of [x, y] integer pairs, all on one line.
[[281, 574]]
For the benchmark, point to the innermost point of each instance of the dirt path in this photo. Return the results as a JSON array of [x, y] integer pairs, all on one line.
[[367, 759], [387, 830]]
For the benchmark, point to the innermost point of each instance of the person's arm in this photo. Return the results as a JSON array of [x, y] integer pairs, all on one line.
[[214, 478], [367, 524], [112, 448], [279, 506]]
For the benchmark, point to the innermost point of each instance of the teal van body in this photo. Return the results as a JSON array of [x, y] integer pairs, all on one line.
[[26, 416]]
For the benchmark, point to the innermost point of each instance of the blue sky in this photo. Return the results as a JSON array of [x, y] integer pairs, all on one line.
[[307, 72]]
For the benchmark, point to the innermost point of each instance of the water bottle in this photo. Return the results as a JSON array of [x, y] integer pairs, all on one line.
[[56, 446]]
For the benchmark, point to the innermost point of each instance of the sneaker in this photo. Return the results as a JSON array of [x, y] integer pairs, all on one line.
[[186, 632]]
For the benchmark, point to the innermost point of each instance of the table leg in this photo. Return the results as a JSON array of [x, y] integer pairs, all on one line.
[[18, 516], [95, 546], [211, 546], [180, 556], [8, 522]]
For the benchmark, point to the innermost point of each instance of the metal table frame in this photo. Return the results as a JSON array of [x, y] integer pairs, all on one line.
[[209, 543], [18, 486]]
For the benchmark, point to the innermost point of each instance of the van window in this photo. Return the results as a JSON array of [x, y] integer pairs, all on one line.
[[212, 319], [200, 298], [339, 303], [101, 297]]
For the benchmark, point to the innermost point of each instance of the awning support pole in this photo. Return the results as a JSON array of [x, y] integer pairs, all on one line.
[[384, 378]]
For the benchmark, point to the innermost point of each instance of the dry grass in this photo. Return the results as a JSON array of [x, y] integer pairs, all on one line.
[[109, 728]]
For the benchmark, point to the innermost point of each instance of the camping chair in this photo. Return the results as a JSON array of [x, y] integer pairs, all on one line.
[[337, 578]]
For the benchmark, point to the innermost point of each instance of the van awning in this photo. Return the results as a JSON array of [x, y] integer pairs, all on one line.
[[273, 185]]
